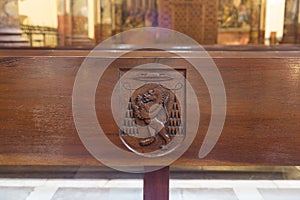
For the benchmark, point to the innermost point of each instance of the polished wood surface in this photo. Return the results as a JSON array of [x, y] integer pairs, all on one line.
[[156, 184], [262, 125]]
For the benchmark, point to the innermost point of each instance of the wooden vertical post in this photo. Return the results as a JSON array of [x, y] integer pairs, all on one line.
[[156, 184]]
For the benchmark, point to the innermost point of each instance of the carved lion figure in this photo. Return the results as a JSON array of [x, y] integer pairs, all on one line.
[[151, 107]]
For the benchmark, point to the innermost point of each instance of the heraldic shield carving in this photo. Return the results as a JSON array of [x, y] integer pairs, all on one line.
[[152, 116]]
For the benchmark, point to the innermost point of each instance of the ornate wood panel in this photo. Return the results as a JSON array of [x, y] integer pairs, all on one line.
[[261, 127], [197, 19], [152, 119], [189, 18]]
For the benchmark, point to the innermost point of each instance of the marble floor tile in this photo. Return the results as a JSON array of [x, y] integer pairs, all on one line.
[[287, 184], [211, 194], [176, 194], [42, 193], [132, 189], [98, 193], [280, 194], [117, 183], [81, 194], [15, 193], [16, 182], [125, 194], [76, 183], [247, 193]]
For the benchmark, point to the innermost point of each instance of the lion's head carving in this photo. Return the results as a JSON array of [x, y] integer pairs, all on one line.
[[149, 105], [152, 106]]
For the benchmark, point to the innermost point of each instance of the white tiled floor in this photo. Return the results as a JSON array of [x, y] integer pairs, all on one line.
[[105, 189]]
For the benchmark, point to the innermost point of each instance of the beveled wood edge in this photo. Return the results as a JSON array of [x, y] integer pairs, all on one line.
[[20, 53]]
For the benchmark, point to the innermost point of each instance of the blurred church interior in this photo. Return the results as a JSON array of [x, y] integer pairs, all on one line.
[[85, 23]]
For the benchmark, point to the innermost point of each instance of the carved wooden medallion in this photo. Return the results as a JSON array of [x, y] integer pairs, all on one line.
[[153, 122]]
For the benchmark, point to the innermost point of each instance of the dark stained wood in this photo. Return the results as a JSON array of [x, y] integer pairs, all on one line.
[[156, 184], [261, 127], [138, 114]]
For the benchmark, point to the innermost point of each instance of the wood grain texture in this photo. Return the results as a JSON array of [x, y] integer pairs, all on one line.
[[262, 125], [156, 184]]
